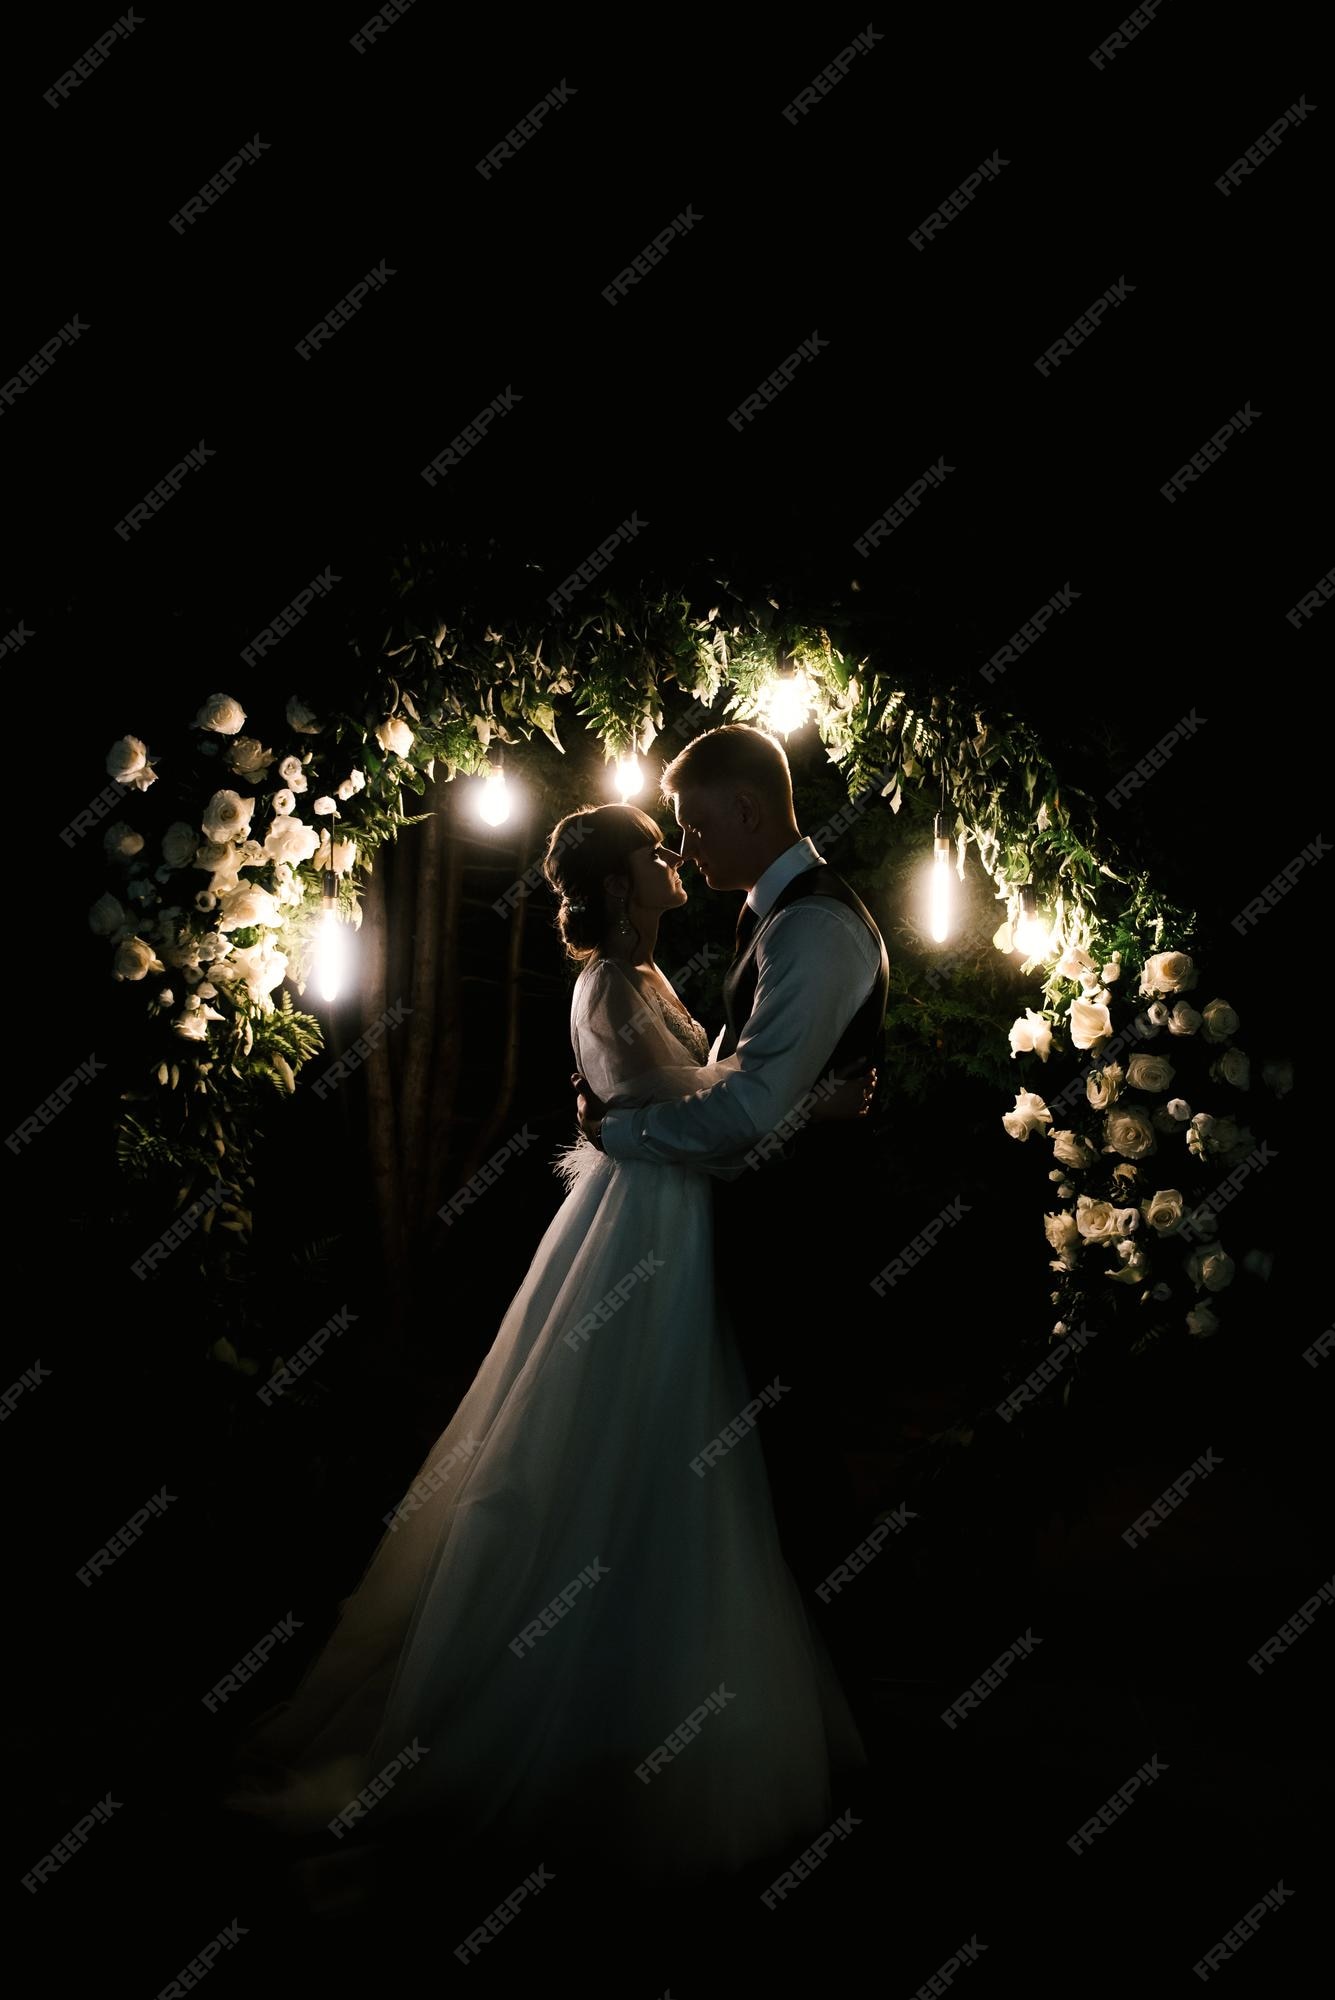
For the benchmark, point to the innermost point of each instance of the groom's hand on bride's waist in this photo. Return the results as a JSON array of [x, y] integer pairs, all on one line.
[[590, 1109], [853, 1096]]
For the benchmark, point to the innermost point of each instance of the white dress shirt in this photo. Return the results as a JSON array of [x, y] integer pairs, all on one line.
[[816, 963]]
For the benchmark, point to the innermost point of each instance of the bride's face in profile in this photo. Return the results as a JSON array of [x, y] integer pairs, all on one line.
[[654, 874]]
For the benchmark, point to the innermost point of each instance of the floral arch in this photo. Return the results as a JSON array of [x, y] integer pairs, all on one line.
[[238, 862]]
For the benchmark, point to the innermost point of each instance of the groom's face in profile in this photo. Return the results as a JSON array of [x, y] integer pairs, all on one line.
[[713, 834]]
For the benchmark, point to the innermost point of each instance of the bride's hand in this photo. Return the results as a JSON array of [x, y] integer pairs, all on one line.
[[589, 1107], [852, 1098]]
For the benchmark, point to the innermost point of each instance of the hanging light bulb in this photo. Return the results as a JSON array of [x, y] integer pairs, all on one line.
[[1032, 936], [939, 907], [331, 943], [494, 804], [786, 700], [629, 778]]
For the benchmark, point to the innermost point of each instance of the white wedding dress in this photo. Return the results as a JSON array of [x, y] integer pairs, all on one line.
[[569, 1461]]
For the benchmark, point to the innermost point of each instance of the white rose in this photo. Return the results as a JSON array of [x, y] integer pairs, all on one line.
[[178, 844], [394, 734], [205, 900], [1096, 1221], [1218, 1022], [346, 789], [1064, 1238], [127, 760], [1278, 1076], [1179, 1109], [1073, 1151], [1234, 1067], [1126, 1172], [249, 759], [1031, 1114], [1226, 1135], [121, 842], [227, 817], [1104, 1086], [290, 839], [1143, 1028], [323, 805], [291, 773], [345, 854], [134, 958], [1129, 1131], [245, 905], [1211, 1267], [1157, 1013], [259, 967], [1163, 1211], [283, 802], [1073, 962], [1112, 970], [357, 779], [1168, 972], [1032, 1035], [106, 916], [1201, 1322], [288, 889], [221, 713], [227, 877], [302, 719], [1184, 1020], [1135, 1265], [1149, 1072], [1090, 1024], [1065, 1190]]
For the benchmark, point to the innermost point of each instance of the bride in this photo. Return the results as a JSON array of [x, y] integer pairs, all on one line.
[[574, 1624]]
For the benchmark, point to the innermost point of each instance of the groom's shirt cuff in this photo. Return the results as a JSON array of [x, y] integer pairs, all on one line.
[[622, 1135]]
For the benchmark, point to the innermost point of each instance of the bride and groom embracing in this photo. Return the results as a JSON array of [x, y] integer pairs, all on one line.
[[589, 1619]]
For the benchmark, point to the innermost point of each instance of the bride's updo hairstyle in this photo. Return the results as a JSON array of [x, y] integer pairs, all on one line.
[[584, 847]]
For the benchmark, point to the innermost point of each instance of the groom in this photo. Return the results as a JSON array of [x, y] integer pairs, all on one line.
[[805, 1000]]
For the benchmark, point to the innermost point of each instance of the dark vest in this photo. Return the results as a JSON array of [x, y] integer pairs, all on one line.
[[863, 1040]]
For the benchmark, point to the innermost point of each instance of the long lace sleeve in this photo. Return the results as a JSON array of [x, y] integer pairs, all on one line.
[[624, 1047]]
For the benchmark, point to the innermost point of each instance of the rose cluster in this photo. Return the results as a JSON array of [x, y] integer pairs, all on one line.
[[1126, 1142], [212, 910]]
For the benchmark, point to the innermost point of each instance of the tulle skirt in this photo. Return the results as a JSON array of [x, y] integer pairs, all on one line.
[[574, 1619]]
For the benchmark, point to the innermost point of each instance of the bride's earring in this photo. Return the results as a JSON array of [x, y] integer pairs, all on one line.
[[625, 929]]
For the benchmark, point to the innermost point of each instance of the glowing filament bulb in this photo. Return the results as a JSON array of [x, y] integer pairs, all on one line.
[[331, 953], [1032, 937], [494, 805], [787, 702], [939, 907], [629, 778]]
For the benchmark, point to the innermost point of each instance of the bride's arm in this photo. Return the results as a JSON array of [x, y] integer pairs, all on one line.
[[624, 1050]]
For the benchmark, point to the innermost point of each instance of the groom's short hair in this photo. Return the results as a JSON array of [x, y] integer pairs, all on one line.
[[734, 754]]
